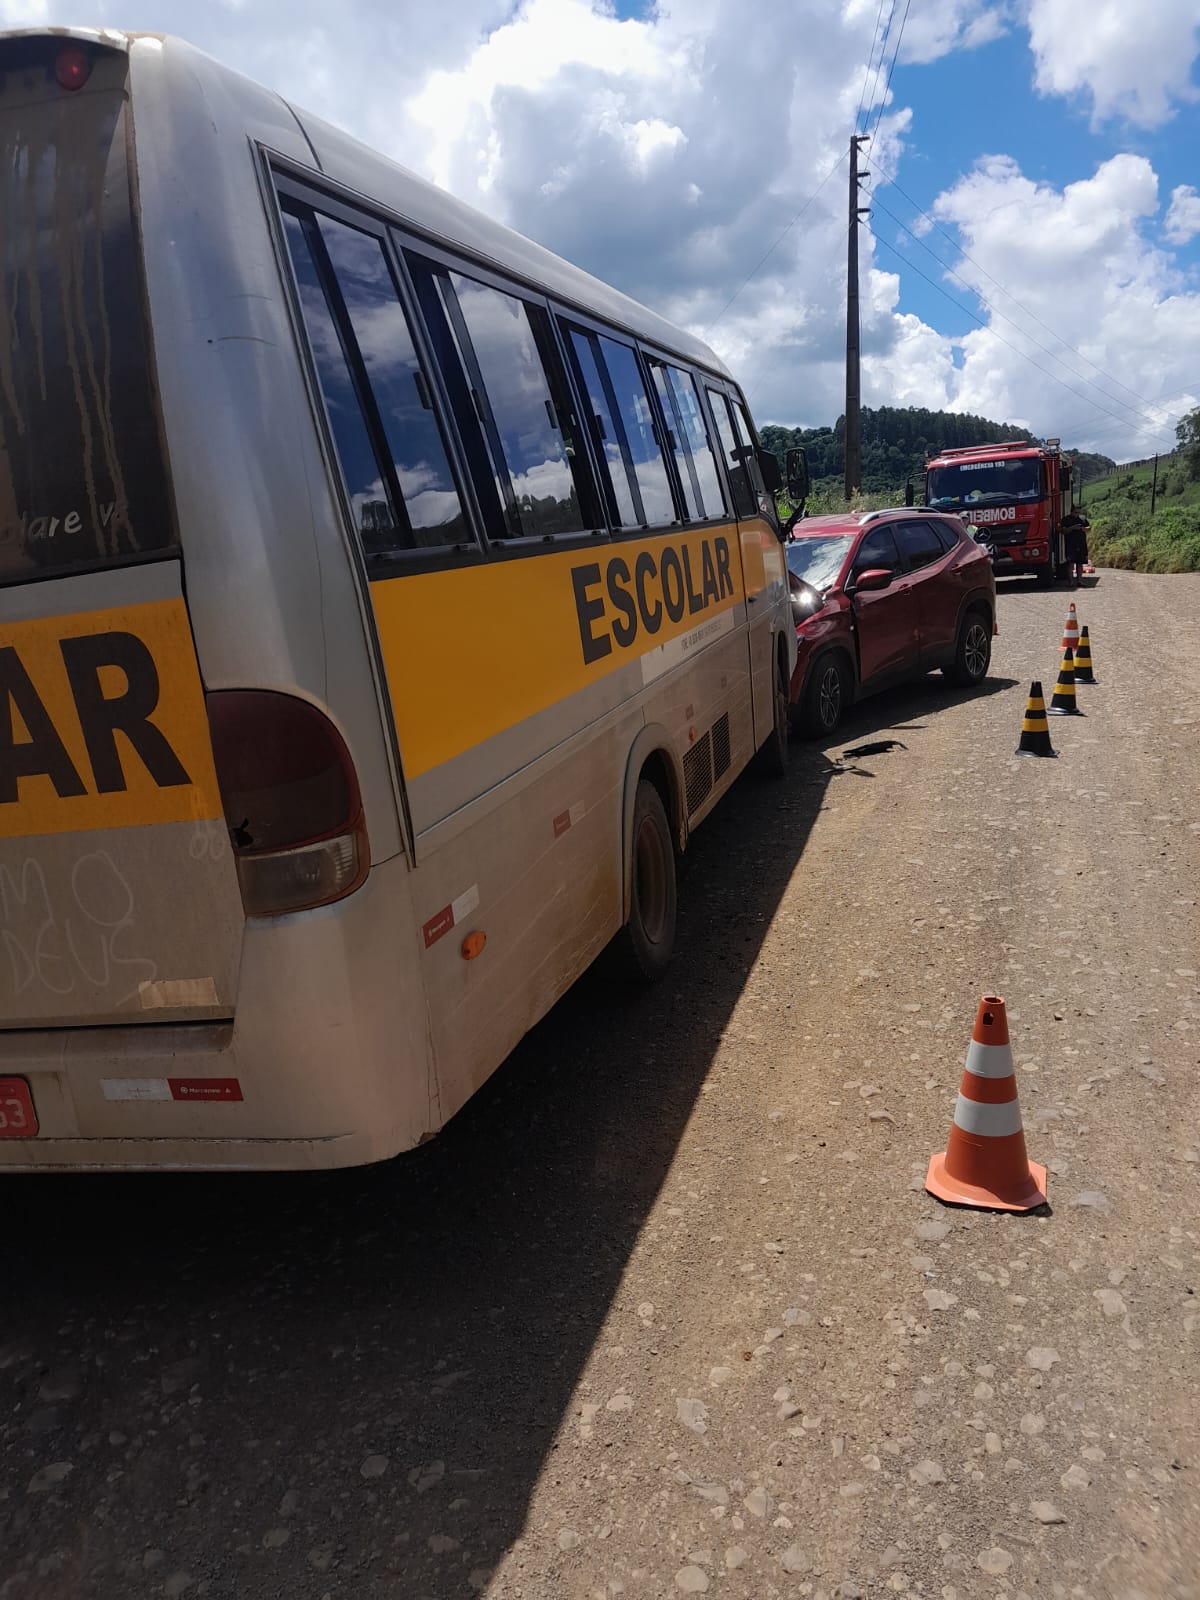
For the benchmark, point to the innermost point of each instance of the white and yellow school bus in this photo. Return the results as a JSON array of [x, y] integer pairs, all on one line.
[[383, 601]]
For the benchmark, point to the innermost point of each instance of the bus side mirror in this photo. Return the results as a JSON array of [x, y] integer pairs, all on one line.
[[799, 481], [768, 465]]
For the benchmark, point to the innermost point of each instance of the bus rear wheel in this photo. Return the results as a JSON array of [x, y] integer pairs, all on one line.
[[649, 936]]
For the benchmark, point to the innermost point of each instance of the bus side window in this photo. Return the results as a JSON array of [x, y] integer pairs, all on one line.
[[677, 439], [695, 430], [366, 480], [623, 429], [766, 502], [510, 368], [400, 389], [619, 484], [734, 452], [619, 364]]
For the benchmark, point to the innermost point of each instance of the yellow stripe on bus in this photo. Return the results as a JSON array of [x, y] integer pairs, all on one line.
[[472, 652], [102, 722]]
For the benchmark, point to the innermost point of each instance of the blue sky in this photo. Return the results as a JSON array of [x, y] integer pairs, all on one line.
[[984, 102], [678, 148]]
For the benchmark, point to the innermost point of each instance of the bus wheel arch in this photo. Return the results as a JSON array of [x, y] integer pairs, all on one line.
[[654, 834], [652, 758], [772, 757]]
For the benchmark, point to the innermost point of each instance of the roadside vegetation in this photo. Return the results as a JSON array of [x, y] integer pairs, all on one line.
[[1124, 532]]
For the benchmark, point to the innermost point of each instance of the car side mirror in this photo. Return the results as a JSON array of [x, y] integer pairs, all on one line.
[[873, 578]]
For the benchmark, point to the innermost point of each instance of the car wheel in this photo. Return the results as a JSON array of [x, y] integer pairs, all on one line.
[[825, 697], [649, 935], [973, 651]]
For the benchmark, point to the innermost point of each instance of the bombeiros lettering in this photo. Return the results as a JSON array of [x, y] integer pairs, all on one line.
[[31, 746], [617, 604]]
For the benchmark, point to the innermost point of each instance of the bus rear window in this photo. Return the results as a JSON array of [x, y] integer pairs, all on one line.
[[82, 479]]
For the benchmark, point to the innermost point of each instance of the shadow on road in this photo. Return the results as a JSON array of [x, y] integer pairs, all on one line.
[[226, 1362]]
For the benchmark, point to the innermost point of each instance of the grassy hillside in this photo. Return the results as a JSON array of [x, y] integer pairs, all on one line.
[[1124, 534]]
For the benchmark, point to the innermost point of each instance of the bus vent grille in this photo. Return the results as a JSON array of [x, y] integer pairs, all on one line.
[[720, 745], [697, 773]]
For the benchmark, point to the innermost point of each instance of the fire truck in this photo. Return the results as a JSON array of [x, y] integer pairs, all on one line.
[[1013, 496]]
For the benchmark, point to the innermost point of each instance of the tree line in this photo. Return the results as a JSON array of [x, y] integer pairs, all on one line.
[[898, 440]]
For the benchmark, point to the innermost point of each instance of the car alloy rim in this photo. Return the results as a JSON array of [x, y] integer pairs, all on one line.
[[831, 696], [975, 650], [651, 887]]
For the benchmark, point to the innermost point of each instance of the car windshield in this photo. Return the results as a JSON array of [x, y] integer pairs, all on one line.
[[984, 483], [817, 561]]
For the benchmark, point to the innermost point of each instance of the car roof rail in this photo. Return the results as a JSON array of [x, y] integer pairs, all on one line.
[[900, 511]]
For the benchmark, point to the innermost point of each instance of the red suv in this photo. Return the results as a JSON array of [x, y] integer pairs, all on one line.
[[882, 596]]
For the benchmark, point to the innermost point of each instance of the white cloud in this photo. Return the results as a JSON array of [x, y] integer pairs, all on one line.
[[1133, 61], [1080, 273], [1183, 215], [690, 155], [937, 27]]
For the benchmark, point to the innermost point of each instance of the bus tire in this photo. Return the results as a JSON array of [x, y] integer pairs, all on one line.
[[649, 935]]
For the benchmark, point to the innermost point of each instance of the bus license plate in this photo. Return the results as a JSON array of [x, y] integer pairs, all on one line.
[[18, 1120]]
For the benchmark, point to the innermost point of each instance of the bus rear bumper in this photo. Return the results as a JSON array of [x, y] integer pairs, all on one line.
[[192, 1155]]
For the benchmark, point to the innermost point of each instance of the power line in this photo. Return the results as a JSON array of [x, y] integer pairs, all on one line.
[[757, 268], [772, 249], [996, 312], [763, 372], [1032, 315], [1155, 405], [1000, 339], [862, 93], [882, 42], [887, 88]]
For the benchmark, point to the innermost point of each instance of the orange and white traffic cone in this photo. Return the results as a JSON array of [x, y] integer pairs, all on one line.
[[1070, 630], [985, 1164]]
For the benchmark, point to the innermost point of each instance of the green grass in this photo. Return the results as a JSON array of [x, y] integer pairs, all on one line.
[[827, 501], [1123, 532], [1133, 484]]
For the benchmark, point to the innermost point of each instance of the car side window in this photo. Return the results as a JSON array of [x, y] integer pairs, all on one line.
[[878, 549], [946, 534], [919, 544]]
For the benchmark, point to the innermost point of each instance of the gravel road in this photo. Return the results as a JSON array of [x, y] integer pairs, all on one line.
[[666, 1309]]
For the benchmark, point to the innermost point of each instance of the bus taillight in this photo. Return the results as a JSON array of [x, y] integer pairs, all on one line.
[[291, 801], [72, 68]]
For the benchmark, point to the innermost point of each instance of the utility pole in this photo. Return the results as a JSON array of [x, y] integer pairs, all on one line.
[[1154, 486], [853, 480]]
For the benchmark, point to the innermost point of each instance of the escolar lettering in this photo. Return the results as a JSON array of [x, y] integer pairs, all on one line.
[[101, 717], [615, 604]]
